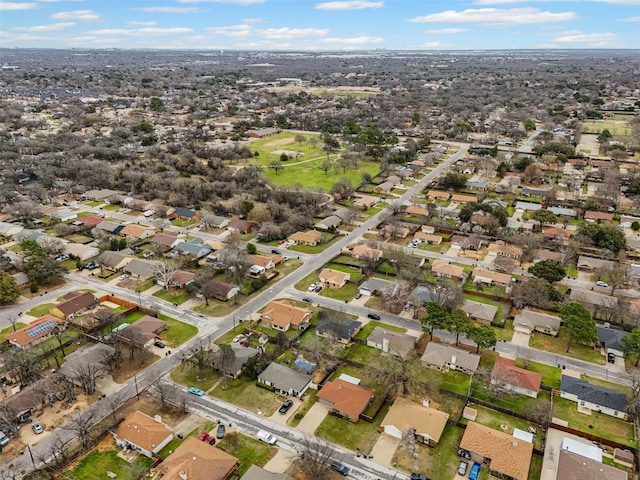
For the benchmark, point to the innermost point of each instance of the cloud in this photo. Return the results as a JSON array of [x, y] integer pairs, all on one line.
[[589, 38], [503, 2], [630, 19], [287, 33], [360, 40], [134, 32], [436, 44], [134, 23], [169, 9], [348, 5], [45, 28], [496, 16], [252, 20], [12, 6], [447, 31], [234, 2], [231, 30], [82, 15]]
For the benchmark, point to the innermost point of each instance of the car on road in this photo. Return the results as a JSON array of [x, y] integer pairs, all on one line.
[[600, 283], [284, 408], [312, 287], [37, 428], [462, 467], [418, 476], [195, 391], [159, 344], [307, 299], [275, 251], [475, 470], [220, 432], [374, 316], [340, 468], [266, 437]]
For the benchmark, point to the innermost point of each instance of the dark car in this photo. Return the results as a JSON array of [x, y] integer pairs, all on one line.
[[159, 344], [211, 440], [374, 316], [418, 476], [220, 432], [464, 453], [307, 299], [275, 251], [284, 408], [358, 295], [318, 288], [340, 468]]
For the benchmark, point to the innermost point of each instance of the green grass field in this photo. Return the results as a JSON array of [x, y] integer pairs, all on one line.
[[41, 310], [618, 126], [108, 461]]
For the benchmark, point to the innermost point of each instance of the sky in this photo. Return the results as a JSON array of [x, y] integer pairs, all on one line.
[[312, 25]]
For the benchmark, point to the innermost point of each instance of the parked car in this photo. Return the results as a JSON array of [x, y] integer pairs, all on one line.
[[220, 432], [159, 344], [195, 391], [340, 468], [284, 408], [91, 266], [312, 287], [611, 357], [374, 316], [358, 295], [475, 470], [211, 440], [237, 338], [4, 440], [600, 283], [464, 453], [123, 277], [307, 299], [203, 437], [462, 468], [266, 437], [37, 428], [318, 288], [418, 476]]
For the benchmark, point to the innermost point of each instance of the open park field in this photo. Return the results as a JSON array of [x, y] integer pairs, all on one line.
[[618, 126]]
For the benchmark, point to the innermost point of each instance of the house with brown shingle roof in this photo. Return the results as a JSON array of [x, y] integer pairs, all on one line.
[[223, 290], [500, 249], [194, 460], [143, 434], [137, 232], [364, 251], [507, 376], [482, 275], [394, 231], [592, 216], [310, 237], [505, 454], [572, 466], [555, 233], [438, 195], [442, 268], [165, 240], [333, 278], [428, 423], [35, 332], [89, 221], [365, 202], [346, 399], [144, 330], [447, 357], [415, 210], [240, 225], [75, 302], [427, 238], [282, 315], [266, 262], [460, 198], [181, 278]]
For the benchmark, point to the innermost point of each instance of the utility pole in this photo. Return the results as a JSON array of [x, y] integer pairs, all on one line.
[[135, 379], [31, 455]]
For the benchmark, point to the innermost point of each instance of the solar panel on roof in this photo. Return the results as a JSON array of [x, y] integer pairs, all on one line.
[[42, 328]]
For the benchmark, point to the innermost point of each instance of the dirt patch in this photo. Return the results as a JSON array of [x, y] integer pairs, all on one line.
[[150, 405], [279, 142], [128, 367]]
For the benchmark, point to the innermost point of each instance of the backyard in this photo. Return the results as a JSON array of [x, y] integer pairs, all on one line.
[[362, 435], [108, 461]]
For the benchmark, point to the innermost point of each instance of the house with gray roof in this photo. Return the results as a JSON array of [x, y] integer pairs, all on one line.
[[195, 248], [141, 269], [110, 227], [8, 230], [563, 212], [240, 359], [527, 206], [113, 261], [529, 321], [446, 357], [285, 380], [374, 286], [594, 397], [96, 355], [591, 264], [609, 338], [592, 299], [395, 343], [329, 223], [342, 331], [482, 312]]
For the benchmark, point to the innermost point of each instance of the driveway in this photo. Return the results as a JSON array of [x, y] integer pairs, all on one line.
[[313, 418], [281, 461], [280, 419], [520, 339], [383, 450]]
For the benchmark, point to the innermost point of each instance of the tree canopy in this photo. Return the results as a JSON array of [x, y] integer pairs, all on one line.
[[549, 270], [9, 290], [604, 236], [483, 335], [630, 345], [577, 320]]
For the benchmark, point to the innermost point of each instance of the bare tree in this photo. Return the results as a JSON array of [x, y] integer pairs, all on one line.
[[314, 458], [163, 389], [200, 356], [81, 425], [396, 378], [51, 245], [408, 442], [164, 272], [525, 355], [86, 374], [395, 297], [223, 360], [161, 223]]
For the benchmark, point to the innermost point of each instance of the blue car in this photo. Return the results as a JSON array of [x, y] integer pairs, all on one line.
[[475, 470], [195, 391]]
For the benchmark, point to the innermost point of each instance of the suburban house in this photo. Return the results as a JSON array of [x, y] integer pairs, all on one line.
[[266, 262], [310, 237], [164, 241], [434, 195], [591, 216], [141, 269], [591, 264], [500, 249], [384, 188], [460, 198], [542, 254], [575, 466], [594, 397], [529, 321], [143, 434], [285, 380], [234, 368], [365, 202], [427, 423], [238, 225], [144, 330], [113, 261], [447, 357], [20, 406], [466, 243], [341, 331], [35, 332], [216, 221], [442, 268], [522, 207], [592, 300], [482, 275], [258, 473], [21, 279], [83, 252], [609, 339], [94, 356], [428, 238], [333, 278], [394, 231], [555, 233], [180, 279], [345, 398], [282, 315], [110, 227], [194, 248], [88, 221], [194, 459], [365, 252], [507, 456], [563, 212], [480, 312], [262, 132], [417, 211], [329, 223], [74, 303], [186, 214], [375, 286], [396, 343], [507, 376], [137, 232], [8, 230], [222, 290]]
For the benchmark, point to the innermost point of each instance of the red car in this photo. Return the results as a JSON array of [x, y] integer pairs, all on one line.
[[204, 436]]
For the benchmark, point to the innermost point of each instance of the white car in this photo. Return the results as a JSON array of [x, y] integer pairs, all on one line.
[[600, 283], [312, 287], [123, 277]]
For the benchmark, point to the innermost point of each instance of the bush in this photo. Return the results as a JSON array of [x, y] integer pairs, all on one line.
[[33, 288]]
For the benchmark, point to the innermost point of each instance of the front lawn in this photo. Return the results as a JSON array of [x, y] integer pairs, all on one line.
[[173, 295], [77, 238], [244, 393], [599, 424], [187, 375], [362, 435], [321, 247], [550, 375], [108, 461], [370, 326], [6, 331], [308, 400], [41, 310], [558, 345], [249, 451], [345, 293], [177, 332]]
